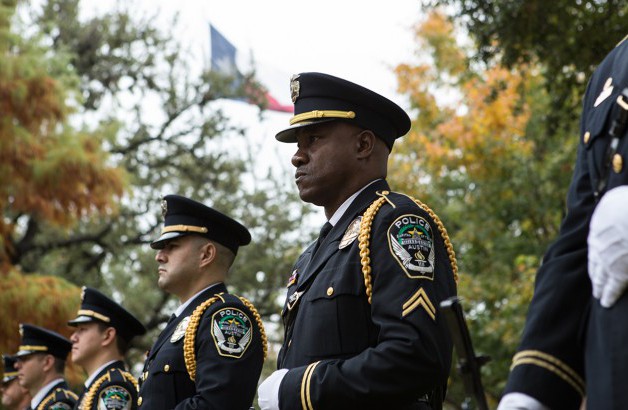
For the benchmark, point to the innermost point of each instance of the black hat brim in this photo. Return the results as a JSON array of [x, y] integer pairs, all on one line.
[[290, 134], [160, 242]]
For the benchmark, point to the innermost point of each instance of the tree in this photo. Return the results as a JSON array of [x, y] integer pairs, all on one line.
[[165, 133], [479, 155]]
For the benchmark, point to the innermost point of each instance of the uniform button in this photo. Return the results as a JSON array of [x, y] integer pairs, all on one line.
[[166, 368], [618, 163], [139, 401], [330, 291], [587, 137]]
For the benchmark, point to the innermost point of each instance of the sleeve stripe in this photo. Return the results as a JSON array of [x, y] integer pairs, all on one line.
[[551, 364], [306, 400]]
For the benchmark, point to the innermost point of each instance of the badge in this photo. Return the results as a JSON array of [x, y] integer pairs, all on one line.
[[295, 87], [606, 91], [179, 332], [292, 279], [351, 233], [115, 398], [411, 242], [232, 332]]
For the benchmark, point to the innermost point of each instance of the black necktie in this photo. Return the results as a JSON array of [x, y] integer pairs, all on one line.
[[321, 236]]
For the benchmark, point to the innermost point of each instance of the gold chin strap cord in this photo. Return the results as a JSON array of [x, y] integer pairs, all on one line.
[[365, 236]]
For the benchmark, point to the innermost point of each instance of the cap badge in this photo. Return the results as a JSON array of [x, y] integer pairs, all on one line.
[[164, 208], [351, 233], [179, 332], [295, 87], [82, 293]]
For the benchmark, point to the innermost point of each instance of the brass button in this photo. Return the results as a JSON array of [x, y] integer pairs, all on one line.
[[166, 368], [618, 163], [587, 137], [330, 291], [139, 401]]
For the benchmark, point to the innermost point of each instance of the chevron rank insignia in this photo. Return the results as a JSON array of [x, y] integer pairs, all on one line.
[[411, 242], [115, 398], [232, 332], [419, 299]]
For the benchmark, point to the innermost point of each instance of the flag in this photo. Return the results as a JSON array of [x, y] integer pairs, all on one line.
[[224, 60]]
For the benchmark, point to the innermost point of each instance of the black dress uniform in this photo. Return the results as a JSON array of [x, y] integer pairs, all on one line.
[[550, 364], [36, 339], [211, 359], [114, 388], [356, 336]]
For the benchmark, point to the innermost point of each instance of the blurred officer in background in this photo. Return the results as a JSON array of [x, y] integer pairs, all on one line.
[[567, 330], [103, 332], [361, 326], [40, 364], [210, 354], [14, 396]]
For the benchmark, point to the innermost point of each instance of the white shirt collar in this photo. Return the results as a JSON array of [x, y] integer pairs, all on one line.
[[43, 392], [185, 304], [345, 205], [92, 376]]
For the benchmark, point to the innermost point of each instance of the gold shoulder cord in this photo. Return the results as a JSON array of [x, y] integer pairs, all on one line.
[[365, 235], [190, 333], [52, 395], [91, 394]]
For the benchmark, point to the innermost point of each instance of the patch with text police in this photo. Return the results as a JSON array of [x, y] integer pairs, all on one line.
[[115, 398], [411, 242], [232, 332]]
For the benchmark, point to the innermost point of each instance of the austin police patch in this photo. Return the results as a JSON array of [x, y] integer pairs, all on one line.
[[411, 242], [232, 332], [60, 406], [115, 398]]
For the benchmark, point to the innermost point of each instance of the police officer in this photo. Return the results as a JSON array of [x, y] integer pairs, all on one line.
[[211, 352], [40, 364], [567, 330], [103, 332], [361, 325], [14, 396]]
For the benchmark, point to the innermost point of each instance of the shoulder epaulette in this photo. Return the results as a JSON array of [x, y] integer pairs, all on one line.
[[365, 235], [189, 353], [53, 394], [93, 389]]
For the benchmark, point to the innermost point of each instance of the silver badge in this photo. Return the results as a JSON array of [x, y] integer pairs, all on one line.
[[179, 332], [164, 208], [351, 233], [295, 87]]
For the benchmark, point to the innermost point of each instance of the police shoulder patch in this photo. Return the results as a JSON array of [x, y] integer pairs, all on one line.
[[232, 332], [411, 242], [115, 398], [60, 406]]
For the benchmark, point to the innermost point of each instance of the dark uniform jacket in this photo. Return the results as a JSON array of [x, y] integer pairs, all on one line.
[[550, 363], [60, 397], [112, 389], [343, 352], [228, 355]]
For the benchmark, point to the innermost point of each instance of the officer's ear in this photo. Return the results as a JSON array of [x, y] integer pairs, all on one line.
[[365, 143], [109, 336], [208, 254]]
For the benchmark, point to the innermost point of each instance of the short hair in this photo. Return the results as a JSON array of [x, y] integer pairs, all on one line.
[[121, 344]]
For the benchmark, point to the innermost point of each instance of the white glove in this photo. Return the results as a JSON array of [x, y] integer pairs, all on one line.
[[608, 246], [520, 401], [268, 391]]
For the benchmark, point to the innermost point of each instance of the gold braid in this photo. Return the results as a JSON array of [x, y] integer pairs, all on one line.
[[190, 336], [258, 319], [365, 235], [93, 389], [52, 395]]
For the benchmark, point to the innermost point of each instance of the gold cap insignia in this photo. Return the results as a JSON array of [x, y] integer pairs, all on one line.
[[164, 208], [83, 293], [295, 87]]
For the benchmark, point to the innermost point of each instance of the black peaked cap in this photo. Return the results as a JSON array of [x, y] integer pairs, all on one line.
[[36, 339], [10, 372], [319, 97], [96, 307], [184, 216]]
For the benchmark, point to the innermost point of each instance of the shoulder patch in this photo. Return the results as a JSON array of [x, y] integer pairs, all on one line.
[[60, 406], [115, 398], [232, 332], [411, 242]]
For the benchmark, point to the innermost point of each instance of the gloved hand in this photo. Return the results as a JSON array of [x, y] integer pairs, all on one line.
[[608, 246], [520, 401], [268, 391]]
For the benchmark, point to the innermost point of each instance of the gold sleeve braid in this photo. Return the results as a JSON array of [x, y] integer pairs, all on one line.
[[88, 401], [52, 395], [365, 236], [189, 354]]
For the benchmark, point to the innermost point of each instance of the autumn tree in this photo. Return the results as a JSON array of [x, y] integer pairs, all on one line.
[[479, 154]]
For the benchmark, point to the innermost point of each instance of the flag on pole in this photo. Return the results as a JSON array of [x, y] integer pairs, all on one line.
[[224, 60]]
